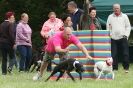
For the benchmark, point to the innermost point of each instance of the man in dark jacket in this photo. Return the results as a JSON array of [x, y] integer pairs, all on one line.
[[75, 14], [7, 40]]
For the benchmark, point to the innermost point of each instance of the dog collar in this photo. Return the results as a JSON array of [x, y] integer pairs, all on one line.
[[108, 63], [75, 63]]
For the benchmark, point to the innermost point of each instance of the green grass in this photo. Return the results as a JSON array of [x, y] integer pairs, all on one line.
[[24, 80]]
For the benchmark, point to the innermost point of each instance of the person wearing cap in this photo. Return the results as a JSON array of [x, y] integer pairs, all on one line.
[[7, 40]]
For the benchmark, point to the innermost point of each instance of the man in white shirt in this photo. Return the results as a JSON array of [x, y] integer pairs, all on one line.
[[119, 26]]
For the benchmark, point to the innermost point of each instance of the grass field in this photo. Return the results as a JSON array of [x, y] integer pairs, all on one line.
[[24, 80]]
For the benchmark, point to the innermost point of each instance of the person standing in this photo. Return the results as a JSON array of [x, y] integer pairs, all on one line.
[[66, 18], [89, 21], [7, 40], [23, 42], [75, 14], [50, 27], [119, 26], [13, 61]]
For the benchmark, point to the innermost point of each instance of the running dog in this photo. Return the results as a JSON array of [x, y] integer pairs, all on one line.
[[67, 66], [104, 67], [36, 60]]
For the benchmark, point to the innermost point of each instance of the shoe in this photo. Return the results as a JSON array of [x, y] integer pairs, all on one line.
[[3, 73], [126, 71], [37, 76]]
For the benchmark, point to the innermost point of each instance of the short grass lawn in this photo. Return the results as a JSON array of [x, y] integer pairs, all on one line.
[[24, 80]]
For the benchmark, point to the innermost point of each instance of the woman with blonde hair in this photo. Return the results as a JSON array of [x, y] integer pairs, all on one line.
[[23, 42], [50, 27]]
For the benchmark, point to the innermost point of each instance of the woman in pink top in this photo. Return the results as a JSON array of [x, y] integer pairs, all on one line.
[[50, 27]]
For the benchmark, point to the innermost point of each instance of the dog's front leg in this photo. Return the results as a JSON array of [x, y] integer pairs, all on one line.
[[80, 75], [54, 72], [60, 75], [38, 68], [71, 76], [33, 68]]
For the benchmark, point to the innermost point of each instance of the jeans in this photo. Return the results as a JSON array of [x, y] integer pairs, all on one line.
[[25, 57]]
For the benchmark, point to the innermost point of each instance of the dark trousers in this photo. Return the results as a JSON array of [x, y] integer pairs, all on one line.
[[13, 62], [25, 57], [6, 50], [122, 46]]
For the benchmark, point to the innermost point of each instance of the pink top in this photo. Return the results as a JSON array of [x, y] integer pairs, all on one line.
[[48, 25], [23, 34], [59, 40]]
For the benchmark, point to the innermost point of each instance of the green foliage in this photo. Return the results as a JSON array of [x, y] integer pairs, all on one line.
[[36, 39], [36, 9]]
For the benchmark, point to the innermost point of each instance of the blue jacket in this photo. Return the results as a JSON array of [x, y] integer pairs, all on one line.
[[76, 18]]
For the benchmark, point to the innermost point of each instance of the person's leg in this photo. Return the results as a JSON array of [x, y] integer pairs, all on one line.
[[47, 57], [11, 58], [16, 62], [11, 63], [22, 52], [4, 61], [114, 54], [125, 52], [28, 57], [43, 67]]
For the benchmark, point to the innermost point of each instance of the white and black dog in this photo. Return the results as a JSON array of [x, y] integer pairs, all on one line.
[[67, 66], [104, 67]]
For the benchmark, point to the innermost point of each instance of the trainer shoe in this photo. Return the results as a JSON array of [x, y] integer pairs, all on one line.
[[126, 71], [37, 76]]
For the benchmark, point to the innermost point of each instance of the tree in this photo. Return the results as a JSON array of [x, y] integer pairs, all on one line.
[[36, 9]]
